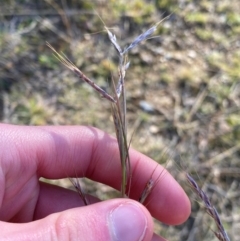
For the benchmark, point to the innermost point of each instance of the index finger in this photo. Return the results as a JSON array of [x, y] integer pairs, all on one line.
[[85, 151]]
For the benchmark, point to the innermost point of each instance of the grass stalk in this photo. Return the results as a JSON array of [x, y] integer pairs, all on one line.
[[119, 106], [119, 111], [221, 234]]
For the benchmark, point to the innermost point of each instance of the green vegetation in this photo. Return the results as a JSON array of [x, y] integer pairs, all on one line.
[[198, 18]]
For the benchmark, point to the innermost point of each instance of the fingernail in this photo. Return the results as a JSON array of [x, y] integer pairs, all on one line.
[[128, 223]]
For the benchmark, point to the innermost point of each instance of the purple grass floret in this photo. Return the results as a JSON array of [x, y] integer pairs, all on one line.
[[75, 182], [211, 210], [113, 40], [65, 61], [141, 38]]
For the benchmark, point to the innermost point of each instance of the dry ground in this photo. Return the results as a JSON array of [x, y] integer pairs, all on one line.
[[183, 86]]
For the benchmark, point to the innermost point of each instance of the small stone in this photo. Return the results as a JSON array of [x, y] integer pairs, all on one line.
[[154, 129], [145, 106]]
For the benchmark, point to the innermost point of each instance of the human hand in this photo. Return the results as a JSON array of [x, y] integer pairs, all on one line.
[[33, 210]]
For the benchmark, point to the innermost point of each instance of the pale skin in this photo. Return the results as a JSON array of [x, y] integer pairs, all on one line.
[[33, 210]]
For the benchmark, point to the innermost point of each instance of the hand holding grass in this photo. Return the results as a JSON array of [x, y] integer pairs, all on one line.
[[33, 210]]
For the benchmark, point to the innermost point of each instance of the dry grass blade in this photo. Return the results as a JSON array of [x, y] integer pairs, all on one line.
[[122, 143], [152, 182], [147, 190], [121, 138], [221, 233], [80, 74], [75, 182]]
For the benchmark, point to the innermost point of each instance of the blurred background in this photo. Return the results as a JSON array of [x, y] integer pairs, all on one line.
[[183, 89]]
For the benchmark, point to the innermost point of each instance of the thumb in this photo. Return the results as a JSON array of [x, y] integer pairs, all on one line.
[[113, 220]]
